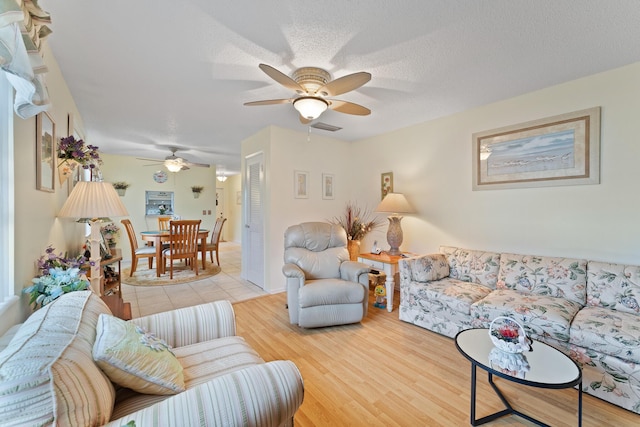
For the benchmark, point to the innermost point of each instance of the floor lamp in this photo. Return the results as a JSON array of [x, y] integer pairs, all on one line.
[[94, 200], [394, 203]]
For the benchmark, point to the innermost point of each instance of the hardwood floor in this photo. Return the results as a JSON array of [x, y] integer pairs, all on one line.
[[385, 372]]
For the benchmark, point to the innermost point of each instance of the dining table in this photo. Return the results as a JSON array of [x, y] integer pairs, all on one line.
[[163, 236]]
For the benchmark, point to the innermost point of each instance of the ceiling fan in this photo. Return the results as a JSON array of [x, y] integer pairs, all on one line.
[[174, 163], [313, 88]]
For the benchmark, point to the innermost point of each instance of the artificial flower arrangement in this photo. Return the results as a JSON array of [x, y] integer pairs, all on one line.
[[110, 232], [71, 152], [509, 335], [57, 275], [357, 222]]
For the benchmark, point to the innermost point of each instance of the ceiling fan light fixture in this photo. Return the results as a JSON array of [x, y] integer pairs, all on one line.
[[222, 178], [172, 166], [310, 107]]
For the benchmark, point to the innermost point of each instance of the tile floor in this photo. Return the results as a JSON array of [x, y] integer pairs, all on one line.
[[225, 285]]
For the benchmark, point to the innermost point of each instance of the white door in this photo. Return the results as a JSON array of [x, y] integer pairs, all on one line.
[[253, 249], [220, 208]]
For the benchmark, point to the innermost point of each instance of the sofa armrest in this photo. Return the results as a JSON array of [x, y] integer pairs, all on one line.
[[268, 394], [191, 325]]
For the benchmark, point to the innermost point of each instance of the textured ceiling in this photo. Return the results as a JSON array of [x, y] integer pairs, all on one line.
[[149, 74]]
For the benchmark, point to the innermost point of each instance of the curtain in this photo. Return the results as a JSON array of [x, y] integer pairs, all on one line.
[[22, 28]]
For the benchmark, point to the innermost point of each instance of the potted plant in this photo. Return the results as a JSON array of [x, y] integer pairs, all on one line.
[[197, 189], [73, 152], [121, 187]]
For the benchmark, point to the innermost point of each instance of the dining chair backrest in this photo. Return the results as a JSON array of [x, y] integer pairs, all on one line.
[[217, 230], [163, 222], [184, 237], [133, 241]]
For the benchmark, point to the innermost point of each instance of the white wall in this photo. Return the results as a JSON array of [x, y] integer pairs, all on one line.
[[285, 151], [431, 163], [233, 210], [36, 225]]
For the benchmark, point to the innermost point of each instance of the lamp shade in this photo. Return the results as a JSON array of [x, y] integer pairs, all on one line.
[[92, 199], [310, 107], [395, 203]]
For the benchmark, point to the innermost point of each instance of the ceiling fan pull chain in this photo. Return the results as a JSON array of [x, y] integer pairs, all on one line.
[[309, 134]]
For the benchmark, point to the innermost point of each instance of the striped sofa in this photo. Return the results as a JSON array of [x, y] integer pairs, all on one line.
[[587, 309], [48, 375]]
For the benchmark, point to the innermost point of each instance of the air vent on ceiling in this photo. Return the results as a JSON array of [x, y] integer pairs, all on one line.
[[324, 126]]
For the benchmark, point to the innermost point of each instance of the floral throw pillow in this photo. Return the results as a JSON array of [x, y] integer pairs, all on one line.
[[136, 359]]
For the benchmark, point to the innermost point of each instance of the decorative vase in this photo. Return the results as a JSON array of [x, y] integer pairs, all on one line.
[[66, 168], [121, 191], [353, 246], [196, 195]]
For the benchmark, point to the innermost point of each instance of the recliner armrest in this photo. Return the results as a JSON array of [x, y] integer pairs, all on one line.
[[191, 325], [292, 270], [352, 270]]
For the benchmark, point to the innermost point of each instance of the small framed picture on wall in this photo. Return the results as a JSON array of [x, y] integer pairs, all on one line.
[[301, 184], [386, 184], [327, 186]]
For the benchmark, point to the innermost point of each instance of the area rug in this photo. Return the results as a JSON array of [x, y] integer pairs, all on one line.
[[181, 274]]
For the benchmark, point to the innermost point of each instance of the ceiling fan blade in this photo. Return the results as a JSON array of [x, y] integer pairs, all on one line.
[[348, 108], [149, 160], [304, 120], [269, 102], [344, 84], [281, 78], [198, 165]]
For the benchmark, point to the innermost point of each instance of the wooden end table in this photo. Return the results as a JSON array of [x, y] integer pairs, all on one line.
[[388, 264]]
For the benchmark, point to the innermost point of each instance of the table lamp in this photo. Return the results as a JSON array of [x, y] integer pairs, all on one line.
[[394, 203], [94, 200]]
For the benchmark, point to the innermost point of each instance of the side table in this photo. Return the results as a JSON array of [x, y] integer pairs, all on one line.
[[386, 263]]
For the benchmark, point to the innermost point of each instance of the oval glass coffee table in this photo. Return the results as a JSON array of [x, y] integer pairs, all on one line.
[[543, 367]]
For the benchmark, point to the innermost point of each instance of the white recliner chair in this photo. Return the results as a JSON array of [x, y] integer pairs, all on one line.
[[324, 288]]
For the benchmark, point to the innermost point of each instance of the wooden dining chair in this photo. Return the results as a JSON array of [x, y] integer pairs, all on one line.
[[183, 244], [163, 222], [137, 252], [212, 245]]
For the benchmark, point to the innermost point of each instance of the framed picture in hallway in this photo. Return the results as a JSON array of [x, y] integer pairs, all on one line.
[[558, 150], [301, 184]]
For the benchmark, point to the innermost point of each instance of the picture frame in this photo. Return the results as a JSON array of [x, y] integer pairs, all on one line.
[[386, 184], [553, 151], [45, 152], [327, 186], [301, 184]]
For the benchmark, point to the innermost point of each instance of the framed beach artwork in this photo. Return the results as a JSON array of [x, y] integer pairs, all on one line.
[[327, 186], [386, 184], [45, 152], [559, 150], [301, 184]]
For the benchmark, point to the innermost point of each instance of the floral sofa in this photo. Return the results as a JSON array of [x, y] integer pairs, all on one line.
[[587, 309], [66, 366]]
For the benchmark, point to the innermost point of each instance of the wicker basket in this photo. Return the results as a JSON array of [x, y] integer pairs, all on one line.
[[509, 335]]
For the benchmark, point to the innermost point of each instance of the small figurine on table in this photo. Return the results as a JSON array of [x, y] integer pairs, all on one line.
[[381, 296]]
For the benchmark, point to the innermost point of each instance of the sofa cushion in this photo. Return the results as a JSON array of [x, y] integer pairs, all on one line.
[[330, 292], [427, 268], [136, 359], [541, 315], [614, 286], [472, 266], [556, 277], [607, 332], [454, 295], [47, 374], [201, 362]]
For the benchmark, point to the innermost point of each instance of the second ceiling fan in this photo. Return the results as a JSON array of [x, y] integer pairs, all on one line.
[[314, 87]]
